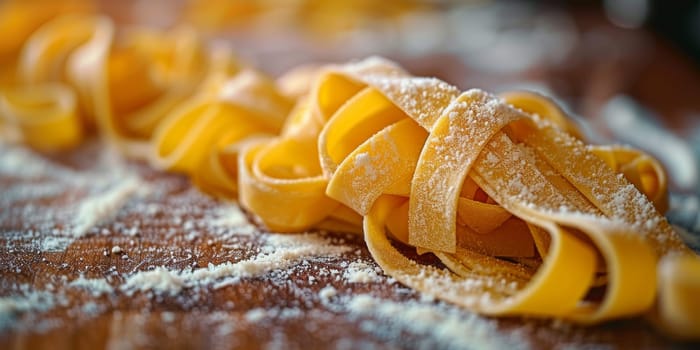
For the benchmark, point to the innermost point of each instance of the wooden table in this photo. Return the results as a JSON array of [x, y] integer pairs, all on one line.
[[62, 289], [332, 296]]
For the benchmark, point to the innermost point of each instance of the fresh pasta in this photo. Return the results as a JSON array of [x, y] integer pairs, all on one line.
[[526, 218], [482, 185]]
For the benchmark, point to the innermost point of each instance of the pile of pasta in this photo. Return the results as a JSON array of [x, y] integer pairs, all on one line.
[[525, 217]]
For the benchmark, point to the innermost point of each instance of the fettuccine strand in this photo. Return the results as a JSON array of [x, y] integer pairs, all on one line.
[[526, 218]]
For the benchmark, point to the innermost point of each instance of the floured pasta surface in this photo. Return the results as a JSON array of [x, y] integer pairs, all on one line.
[[527, 218]]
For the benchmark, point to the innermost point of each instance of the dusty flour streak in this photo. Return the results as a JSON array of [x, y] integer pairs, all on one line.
[[361, 272], [96, 286], [17, 161], [160, 280], [281, 252], [11, 307], [104, 206], [230, 216], [90, 196], [327, 293], [435, 325]]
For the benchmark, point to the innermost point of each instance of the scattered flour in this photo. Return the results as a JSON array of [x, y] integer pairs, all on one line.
[[159, 280], [259, 315], [327, 293], [167, 317], [281, 252], [256, 315], [434, 325], [96, 286], [104, 206], [361, 272], [28, 301], [277, 256], [89, 196], [230, 215]]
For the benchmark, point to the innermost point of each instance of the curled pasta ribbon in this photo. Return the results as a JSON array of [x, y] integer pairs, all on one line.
[[18, 20], [642, 170], [161, 95], [130, 85], [543, 108], [281, 181], [203, 135], [52, 54], [45, 116], [526, 217], [677, 309], [124, 84], [639, 168]]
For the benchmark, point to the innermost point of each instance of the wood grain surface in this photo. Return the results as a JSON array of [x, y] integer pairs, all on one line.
[[163, 222], [280, 308]]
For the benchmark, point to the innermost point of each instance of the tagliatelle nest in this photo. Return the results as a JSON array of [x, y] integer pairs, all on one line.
[[526, 217]]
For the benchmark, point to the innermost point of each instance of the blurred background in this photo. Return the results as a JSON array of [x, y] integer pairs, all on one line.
[[629, 69]]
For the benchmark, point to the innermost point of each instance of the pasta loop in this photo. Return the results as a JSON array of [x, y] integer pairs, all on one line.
[[526, 218], [480, 180], [45, 114]]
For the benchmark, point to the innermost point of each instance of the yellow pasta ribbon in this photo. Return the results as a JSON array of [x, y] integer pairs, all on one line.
[[203, 135], [527, 218], [46, 116], [481, 182], [20, 18], [124, 83], [21, 112], [678, 305]]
